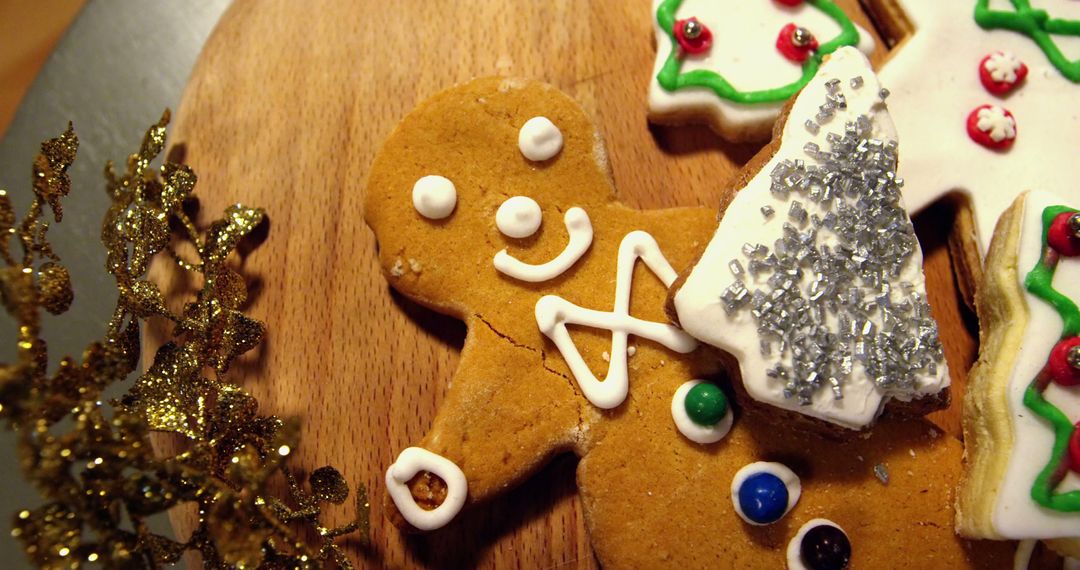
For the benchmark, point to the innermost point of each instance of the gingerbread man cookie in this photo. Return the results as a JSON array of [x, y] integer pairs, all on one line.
[[813, 280], [986, 94], [569, 351], [1021, 406], [733, 65]]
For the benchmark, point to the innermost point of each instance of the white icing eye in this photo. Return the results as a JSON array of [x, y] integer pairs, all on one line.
[[764, 492], [519, 217], [539, 139], [434, 197]]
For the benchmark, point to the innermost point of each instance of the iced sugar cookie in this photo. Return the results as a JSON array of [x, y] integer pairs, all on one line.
[[733, 65], [578, 357], [986, 94], [1022, 403], [813, 280]]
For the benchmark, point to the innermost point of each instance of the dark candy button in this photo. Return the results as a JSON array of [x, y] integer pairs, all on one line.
[[825, 547]]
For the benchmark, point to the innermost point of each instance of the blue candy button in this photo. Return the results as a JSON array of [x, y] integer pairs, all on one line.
[[763, 498]]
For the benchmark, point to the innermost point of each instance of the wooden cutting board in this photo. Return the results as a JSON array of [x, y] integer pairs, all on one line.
[[286, 108]]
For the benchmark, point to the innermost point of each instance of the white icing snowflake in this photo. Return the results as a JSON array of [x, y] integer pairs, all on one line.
[[1002, 66], [993, 120]]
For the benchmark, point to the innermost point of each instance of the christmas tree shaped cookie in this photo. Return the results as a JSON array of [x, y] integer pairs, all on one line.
[[813, 280], [733, 65], [492, 202], [1022, 403], [987, 94]]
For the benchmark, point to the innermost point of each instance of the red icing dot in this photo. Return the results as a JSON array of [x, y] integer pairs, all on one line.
[[1074, 449], [983, 131], [1061, 237], [785, 42], [1061, 372], [790, 2], [1003, 86], [692, 45]]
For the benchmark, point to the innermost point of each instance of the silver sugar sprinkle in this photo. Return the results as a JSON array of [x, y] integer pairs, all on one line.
[[882, 473]]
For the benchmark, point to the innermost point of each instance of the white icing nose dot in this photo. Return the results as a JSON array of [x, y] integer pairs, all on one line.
[[518, 217], [434, 197], [539, 139]]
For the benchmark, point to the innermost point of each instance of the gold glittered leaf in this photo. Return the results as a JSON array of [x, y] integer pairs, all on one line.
[[171, 394], [152, 145], [164, 550], [116, 357], [178, 181], [328, 485], [234, 334], [224, 235], [54, 288], [146, 300], [147, 229], [230, 287], [51, 182]]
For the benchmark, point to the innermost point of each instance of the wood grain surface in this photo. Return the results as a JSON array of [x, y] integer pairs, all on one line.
[[286, 109]]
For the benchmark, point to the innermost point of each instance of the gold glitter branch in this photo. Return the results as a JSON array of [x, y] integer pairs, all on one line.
[[93, 463]]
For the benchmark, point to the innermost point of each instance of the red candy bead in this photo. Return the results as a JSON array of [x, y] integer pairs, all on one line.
[[986, 122], [1009, 70], [1074, 449], [1062, 237], [1063, 372], [796, 43], [693, 36], [790, 2]]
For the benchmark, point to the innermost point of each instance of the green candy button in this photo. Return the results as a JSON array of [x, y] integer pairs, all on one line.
[[706, 404]]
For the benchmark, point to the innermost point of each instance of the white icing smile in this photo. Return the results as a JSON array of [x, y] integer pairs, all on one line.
[[577, 225]]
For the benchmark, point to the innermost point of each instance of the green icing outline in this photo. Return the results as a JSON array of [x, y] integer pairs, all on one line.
[[1037, 25], [1040, 283], [670, 78]]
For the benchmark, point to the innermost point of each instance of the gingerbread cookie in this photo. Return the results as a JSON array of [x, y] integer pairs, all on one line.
[[813, 280], [986, 93], [1021, 406], [733, 65], [561, 285]]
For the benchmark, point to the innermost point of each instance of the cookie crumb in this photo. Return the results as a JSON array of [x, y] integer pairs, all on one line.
[[912, 452], [510, 84], [415, 265], [398, 269]]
